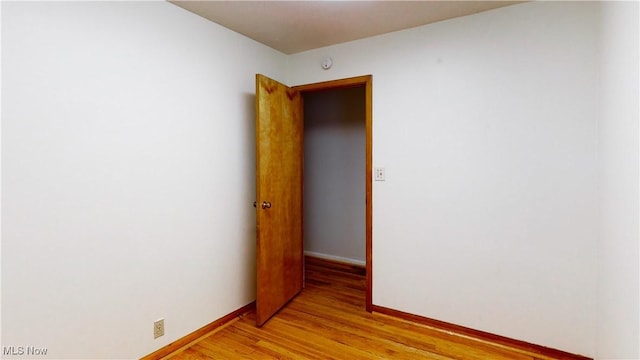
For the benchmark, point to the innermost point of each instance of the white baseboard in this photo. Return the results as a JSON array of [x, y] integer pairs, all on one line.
[[336, 258]]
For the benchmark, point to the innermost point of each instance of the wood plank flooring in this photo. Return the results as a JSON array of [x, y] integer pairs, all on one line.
[[328, 321]]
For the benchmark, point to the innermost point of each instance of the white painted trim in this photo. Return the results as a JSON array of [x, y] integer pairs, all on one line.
[[335, 258]]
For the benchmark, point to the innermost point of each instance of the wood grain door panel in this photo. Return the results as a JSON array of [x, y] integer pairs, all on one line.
[[279, 154]]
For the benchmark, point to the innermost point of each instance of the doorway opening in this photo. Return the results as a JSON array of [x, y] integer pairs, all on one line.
[[279, 191], [337, 158]]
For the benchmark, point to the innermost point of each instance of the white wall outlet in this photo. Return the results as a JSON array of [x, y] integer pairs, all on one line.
[[158, 328], [379, 173]]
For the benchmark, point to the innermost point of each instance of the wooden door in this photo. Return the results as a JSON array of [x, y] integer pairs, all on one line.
[[279, 157]]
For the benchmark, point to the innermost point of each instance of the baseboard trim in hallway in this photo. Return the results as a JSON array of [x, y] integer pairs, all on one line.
[[479, 335], [205, 330], [339, 259], [334, 265]]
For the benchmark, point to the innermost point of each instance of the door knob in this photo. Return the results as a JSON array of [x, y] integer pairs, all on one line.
[[266, 205]]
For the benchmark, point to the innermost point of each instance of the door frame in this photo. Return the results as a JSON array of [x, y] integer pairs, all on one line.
[[367, 82]]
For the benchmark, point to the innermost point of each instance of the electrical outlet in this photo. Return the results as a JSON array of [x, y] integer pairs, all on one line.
[[158, 328], [379, 174]]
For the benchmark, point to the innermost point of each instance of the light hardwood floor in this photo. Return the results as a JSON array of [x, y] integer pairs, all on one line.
[[328, 321]]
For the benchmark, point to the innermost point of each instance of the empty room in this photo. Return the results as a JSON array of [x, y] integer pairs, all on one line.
[[152, 151]]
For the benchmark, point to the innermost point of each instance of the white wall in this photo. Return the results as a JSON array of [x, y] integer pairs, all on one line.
[[618, 335], [128, 174], [334, 174], [487, 127]]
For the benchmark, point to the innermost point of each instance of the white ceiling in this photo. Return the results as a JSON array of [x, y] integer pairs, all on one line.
[[295, 26]]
